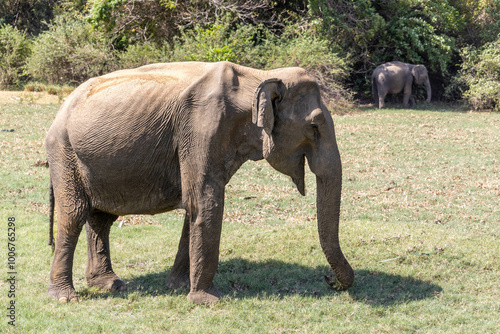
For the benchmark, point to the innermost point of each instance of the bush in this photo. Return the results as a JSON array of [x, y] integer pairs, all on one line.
[[35, 87], [138, 55], [212, 43], [69, 53], [14, 50], [480, 76]]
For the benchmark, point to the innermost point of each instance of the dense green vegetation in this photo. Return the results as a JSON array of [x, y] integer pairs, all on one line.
[[341, 42]]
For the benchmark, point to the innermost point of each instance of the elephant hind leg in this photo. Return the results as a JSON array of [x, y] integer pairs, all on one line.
[[61, 275], [380, 97], [99, 270], [407, 97], [70, 219], [381, 102]]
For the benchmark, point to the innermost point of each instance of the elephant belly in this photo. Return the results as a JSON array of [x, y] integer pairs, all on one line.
[[131, 190], [395, 90]]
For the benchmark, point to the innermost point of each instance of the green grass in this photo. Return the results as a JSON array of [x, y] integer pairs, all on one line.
[[421, 190]]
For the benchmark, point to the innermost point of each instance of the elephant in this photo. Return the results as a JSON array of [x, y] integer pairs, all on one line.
[[394, 77], [170, 136]]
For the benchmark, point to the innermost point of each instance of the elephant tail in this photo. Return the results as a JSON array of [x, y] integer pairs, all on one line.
[[51, 215]]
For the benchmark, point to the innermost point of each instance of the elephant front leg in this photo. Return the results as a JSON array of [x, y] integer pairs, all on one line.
[[381, 102], [407, 92], [99, 271], [204, 241], [179, 275], [381, 97]]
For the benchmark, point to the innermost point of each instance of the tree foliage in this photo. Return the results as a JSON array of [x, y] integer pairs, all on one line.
[[14, 50], [414, 31], [27, 15], [139, 21]]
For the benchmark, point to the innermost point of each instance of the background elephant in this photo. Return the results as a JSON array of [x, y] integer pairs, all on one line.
[[169, 136], [394, 77]]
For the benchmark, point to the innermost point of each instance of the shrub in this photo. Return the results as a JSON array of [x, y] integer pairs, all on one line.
[[480, 76], [246, 45], [137, 55], [35, 87], [52, 90], [210, 43], [69, 53], [14, 50], [484, 94]]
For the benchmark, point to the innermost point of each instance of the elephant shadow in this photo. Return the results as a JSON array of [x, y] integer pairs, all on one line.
[[241, 278]]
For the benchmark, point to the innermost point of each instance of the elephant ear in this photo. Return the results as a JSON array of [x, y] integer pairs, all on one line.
[[418, 73], [266, 95]]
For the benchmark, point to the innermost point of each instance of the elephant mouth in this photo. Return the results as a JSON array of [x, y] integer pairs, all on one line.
[[298, 177], [292, 166]]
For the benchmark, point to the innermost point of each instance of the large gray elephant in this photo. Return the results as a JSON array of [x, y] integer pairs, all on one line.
[[168, 136], [394, 77]]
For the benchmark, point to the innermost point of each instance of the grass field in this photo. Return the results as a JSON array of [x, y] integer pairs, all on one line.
[[420, 224]]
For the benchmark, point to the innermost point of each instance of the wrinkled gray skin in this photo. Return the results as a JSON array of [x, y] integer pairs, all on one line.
[[168, 136], [396, 77]]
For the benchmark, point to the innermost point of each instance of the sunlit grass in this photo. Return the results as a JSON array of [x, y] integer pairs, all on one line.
[[420, 225]]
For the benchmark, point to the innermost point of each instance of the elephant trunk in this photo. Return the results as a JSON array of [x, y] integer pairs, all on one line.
[[429, 91], [328, 209]]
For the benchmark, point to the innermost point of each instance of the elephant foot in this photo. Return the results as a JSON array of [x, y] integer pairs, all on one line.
[[64, 295], [107, 282], [178, 282], [208, 296]]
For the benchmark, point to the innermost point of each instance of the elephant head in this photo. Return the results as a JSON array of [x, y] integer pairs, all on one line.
[[295, 126], [421, 77]]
